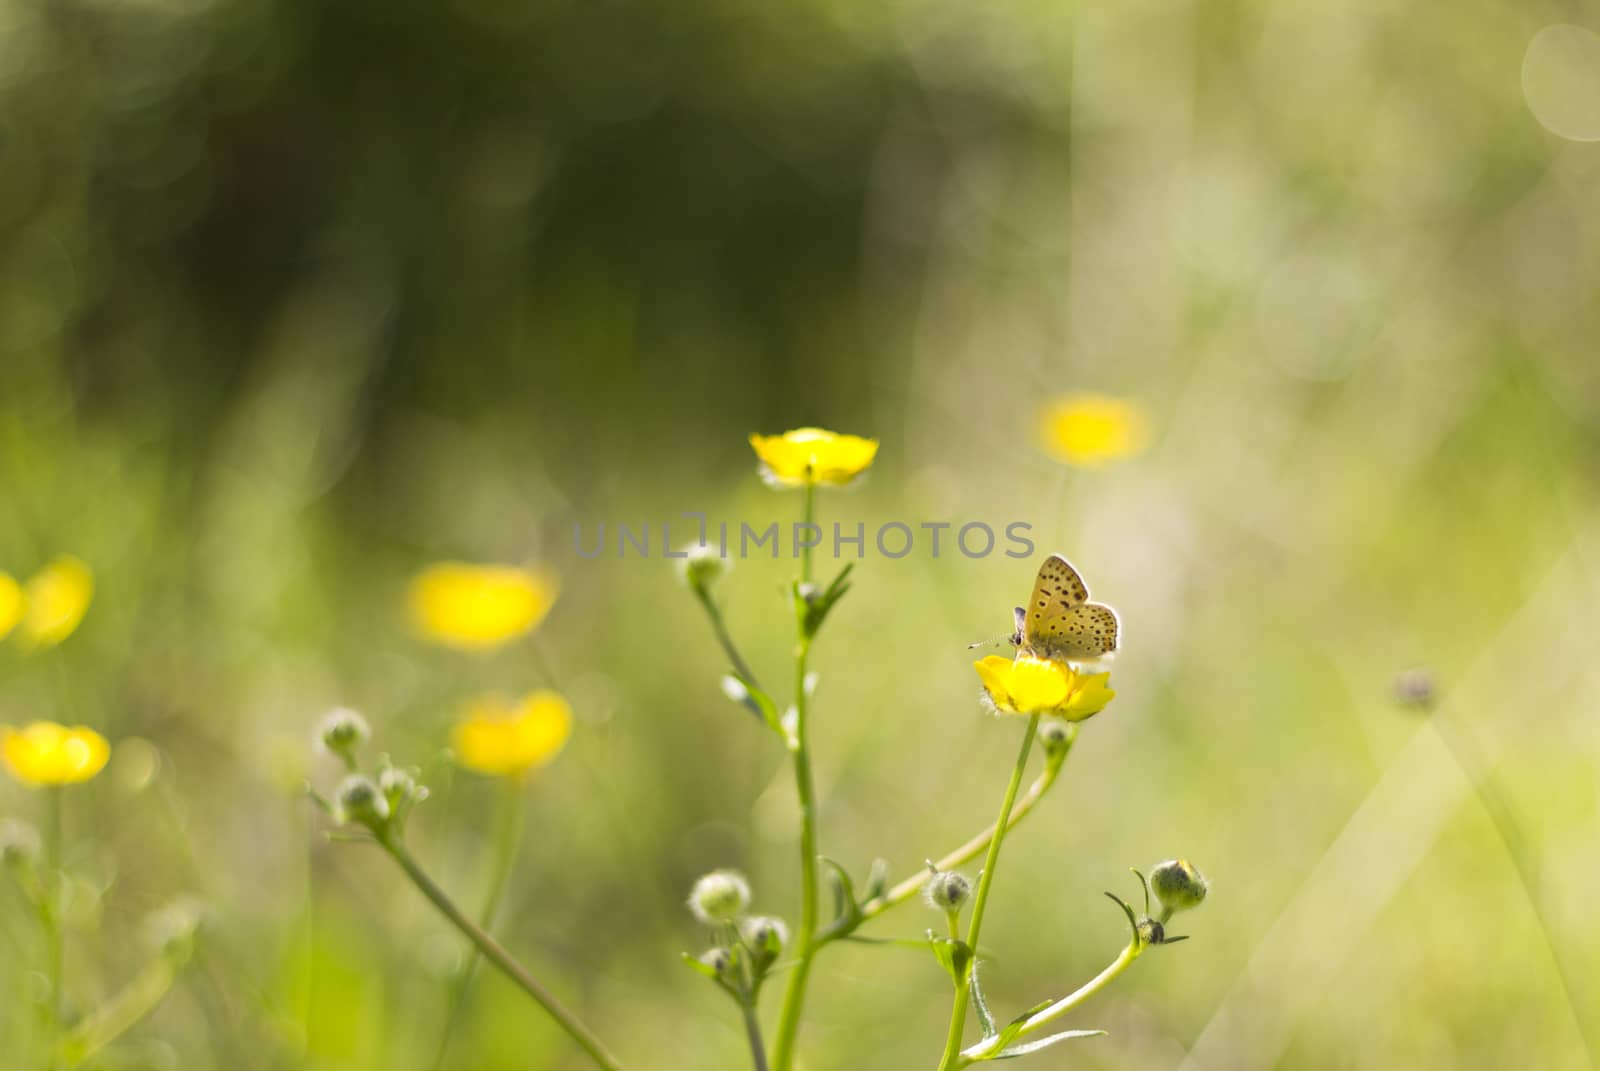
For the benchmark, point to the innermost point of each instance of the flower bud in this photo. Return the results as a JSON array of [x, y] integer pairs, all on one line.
[[342, 731], [718, 959], [1178, 885], [703, 566], [1057, 735], [361, 801], [764, 933], [947, 890], [720, 896], [400, 788], [1151, 932], [19, 844], [1415, 689]]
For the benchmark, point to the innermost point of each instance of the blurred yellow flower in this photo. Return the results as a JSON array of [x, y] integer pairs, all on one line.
[[506, 739], [1031, 685], [479, 607], [44, 753], [1092, 429], [812, 455], [12, 604], [57, 597]]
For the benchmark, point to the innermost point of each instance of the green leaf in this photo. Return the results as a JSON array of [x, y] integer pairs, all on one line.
[[846, 912], [877, 880], [817, 608], [760, 702], [1045, 1043], [695, 963], [981, 1006], [954, 955]]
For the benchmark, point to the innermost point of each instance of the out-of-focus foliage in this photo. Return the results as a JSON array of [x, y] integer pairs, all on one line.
[[297, 297]]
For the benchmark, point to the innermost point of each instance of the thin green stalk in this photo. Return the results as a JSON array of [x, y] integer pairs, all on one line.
[[794, 993], [496, 954], [504, 862], [122, 1012], [752, 1030], [1045, 1015], [958, 1011], [725, 640], [54, 905], [907, 889]]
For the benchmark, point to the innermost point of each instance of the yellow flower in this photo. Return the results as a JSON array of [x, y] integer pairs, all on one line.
[[12, 604], [812, 455], [57, 597], [45, 753], [505, 739], [479, 607], [1031, 685], [1092, 429]]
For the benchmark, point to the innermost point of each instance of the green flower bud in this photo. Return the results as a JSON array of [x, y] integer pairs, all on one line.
[[947, 890], [703, 566], [1057, 735], [1151, 932], [400, 788], [360, 801], [720, 896], [342, 731], [720, 960], [764, 933], [1178, 885]]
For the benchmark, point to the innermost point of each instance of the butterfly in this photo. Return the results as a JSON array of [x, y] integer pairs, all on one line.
[[1060, 623]]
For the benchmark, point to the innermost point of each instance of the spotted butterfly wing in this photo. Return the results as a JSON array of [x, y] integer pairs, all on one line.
[[1059, 622]]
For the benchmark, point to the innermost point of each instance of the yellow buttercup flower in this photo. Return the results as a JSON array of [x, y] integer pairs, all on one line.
[[45, 753], [479, 607], [507, 739], [12, 604], [57, 597], [811, 456], [1031, 685], [1090, 430]]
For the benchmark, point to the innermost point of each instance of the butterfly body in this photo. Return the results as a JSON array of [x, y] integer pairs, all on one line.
[[1060, 623]]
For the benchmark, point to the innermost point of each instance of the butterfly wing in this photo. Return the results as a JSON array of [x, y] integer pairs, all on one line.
[[1061, 623]]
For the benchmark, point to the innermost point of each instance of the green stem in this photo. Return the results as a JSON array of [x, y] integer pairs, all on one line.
[[505, 857], [912, 885], [54, 906], [1045, 1015], [958, 1011], [752, 1030], [122, 1012], [794, 994], [496, 954], [725, 640]]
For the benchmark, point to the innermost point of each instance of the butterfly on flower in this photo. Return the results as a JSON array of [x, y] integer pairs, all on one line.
[[1060, 623]]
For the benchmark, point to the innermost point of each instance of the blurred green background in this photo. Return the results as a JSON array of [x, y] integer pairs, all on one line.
[[296, 297]]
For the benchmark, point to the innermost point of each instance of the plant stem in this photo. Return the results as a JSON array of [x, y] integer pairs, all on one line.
[[912, 885], [505, 857], [1062, 1006], [794, 993], [122, 1012], [752, 1029], [958, 1012], [55, 899], [725, 640], [496, 954]]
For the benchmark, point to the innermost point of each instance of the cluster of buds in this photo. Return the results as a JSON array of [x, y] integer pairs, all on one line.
[[746, 945], [377, 802]]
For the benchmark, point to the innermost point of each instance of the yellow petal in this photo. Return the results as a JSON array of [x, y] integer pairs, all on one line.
[[499, 739], [480, 607], [995, 673], [1089, 696], [813, 455], [57, 598], [1039, 685], [1092, 429], [44, 753], [12, 604]]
